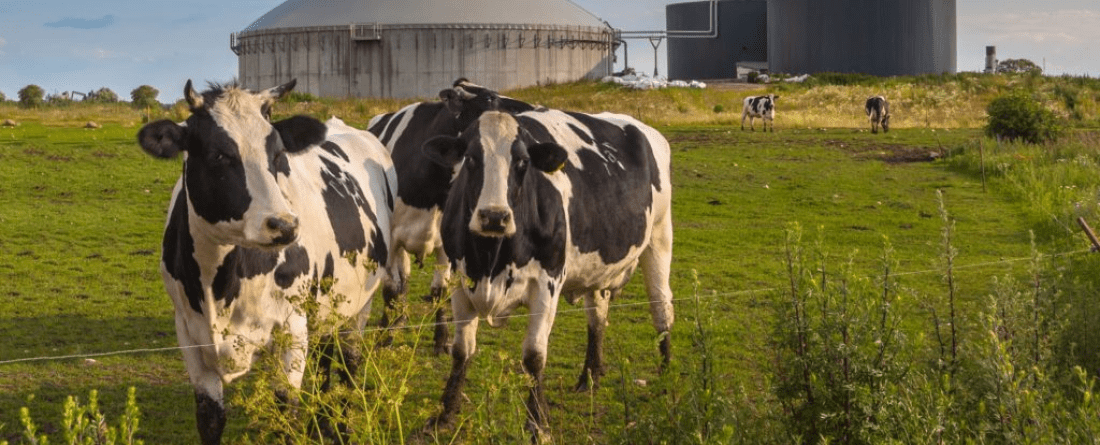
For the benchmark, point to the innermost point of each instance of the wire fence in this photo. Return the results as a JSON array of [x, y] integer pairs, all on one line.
[[713, 295]]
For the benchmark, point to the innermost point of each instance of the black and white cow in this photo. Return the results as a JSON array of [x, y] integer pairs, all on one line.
[[263, 214], [878, 111], [544, 203], [759, 106], [422, 185]]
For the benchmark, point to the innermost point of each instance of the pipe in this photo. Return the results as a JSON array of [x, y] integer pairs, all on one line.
[[710, 33]]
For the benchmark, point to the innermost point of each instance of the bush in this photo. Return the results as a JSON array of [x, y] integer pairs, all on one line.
[[144, 96], [3, 97], [1018, 66], [31, 96], [1017, 116], [103, 95]]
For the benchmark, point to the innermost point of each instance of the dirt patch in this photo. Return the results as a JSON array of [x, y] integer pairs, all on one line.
[[731, 85], [889, 153]]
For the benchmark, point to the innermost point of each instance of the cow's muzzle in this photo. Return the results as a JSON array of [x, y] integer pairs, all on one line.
[[494, 222], [283, 229]]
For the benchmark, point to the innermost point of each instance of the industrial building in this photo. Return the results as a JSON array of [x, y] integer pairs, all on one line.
[[414, 48], [709, 39], [878, 37]]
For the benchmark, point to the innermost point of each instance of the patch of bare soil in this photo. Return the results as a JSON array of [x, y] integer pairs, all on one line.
[[731, 85]]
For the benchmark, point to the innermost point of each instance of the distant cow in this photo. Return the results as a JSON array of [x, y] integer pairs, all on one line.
[[759, 106], [422, 185], [265, 215], [878, 111], [548, 203]]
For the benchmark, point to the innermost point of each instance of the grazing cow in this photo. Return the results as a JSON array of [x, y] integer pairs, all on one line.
[[422, 185], [548, 202], [878, 110], [265, 216], [759, 106]]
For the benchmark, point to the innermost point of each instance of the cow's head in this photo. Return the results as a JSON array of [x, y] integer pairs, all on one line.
[[466, 101], [498, 158], [233, 156]]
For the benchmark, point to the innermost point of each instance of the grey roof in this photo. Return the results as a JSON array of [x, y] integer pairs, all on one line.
[[310, 13]]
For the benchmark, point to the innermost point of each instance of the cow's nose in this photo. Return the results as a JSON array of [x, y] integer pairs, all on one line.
[[494, 220], [284, 228]]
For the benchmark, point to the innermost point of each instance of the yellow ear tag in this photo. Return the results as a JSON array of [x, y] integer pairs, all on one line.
[[560, 167]]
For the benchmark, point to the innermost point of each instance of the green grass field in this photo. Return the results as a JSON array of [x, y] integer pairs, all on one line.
[[81, 214]]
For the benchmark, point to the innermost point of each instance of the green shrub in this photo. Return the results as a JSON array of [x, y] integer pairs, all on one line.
[[144, 96], [86, 424], [1016, 116], [754, 77], [719, 108], [1020, 66], [102, 95], [31, 96]]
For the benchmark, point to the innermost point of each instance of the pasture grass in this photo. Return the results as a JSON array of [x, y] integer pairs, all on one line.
[[81, 215]]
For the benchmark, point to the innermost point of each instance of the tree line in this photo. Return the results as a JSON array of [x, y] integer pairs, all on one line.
[[33, 96]]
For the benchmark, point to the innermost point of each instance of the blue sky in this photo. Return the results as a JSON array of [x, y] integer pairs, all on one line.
[[66, 45]]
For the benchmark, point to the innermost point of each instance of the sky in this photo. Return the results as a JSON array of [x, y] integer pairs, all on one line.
[[81, 45]]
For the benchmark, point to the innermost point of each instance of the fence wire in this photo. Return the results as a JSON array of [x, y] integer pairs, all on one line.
[[713, 295]]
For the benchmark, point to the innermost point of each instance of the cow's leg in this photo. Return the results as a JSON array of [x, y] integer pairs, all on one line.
[[207, 383], [543, 301], [395, 288], [465, 344], [656, 263], [440, 278], [743, 116], [209, 416], [595, 307]]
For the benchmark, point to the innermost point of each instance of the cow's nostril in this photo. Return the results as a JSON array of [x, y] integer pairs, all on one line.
[[494, 218]]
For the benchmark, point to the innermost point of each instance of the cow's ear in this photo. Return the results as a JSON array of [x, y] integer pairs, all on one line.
[[194, 100], [444, 150], [163, 138], [547, 156], [300, 132], [775, 97]]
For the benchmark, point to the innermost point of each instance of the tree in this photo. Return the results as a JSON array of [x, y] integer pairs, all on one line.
[[102, 95], [31, 96], [1016, 116], [144, 96], [1019, 66], [3, 97]]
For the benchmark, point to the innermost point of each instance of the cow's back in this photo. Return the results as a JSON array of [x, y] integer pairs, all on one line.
[[342, 192], [615, 188]]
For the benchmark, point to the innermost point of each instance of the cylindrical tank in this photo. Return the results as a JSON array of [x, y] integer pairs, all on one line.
[[414, 48], [879, 37], [707, 39]]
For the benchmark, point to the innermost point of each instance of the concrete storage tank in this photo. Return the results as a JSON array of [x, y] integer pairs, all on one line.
[[879, 37], [707, 39], [414, 48]]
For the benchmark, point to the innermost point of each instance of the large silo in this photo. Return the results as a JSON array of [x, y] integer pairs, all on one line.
[[706, 39], [879, 37], [414, 48]]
